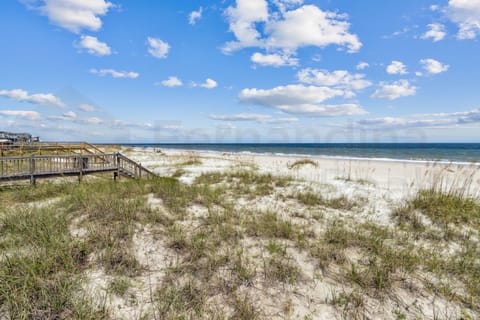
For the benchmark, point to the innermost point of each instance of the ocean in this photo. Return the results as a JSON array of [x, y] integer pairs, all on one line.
[[445, 152]]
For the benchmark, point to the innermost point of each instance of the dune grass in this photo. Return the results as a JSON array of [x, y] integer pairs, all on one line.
[[40, 274], [227, 258], [313, 199], [245, 182], [303, 162]]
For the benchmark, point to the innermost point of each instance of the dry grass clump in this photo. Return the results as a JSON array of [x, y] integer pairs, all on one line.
[[447, 219], [24, 194], [446, 208], [40, 276], [280, 266], [244, 182], [177, 300], [313, 199], [303, 162], [384, 254]]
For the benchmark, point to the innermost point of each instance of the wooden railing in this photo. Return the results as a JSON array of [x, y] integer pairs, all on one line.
[[50, 147], [130, 167], [33, 167]]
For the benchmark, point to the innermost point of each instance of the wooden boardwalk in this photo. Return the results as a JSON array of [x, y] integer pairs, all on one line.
[[50, 148], [34, 167]]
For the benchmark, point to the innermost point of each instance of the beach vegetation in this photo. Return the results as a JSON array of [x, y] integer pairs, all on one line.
[[313, 199], [303, 162], [222, 254]]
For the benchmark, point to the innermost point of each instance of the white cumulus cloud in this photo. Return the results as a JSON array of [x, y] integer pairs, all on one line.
[[242, 19], [195, 16], [288, 29], [87, 107], [310, 26], [274, 60], [115, 73], [397, 67], [362, 65], [73, 15], [29, 115], [158, 48], [338, 78], [432, 66], [301, 99], [395, 90], [289, 95], [209, 84], [436, 32], [172, 82], [466, 14], [38, 98], [94, 46]]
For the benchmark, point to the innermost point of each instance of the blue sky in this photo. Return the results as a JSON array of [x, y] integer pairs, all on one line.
[[241, 71]]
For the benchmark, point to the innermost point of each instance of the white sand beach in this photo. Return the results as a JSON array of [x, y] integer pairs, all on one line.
[[247, 236], [378, 188]]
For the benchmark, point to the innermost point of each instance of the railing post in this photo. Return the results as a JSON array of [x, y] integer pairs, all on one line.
[[32, 170], [80, 168], [116, 174]]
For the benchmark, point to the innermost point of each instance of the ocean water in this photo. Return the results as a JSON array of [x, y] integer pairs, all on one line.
[[448, 152]]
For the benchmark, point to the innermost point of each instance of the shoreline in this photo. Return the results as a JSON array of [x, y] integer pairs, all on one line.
[[311, 156], [396, 179]]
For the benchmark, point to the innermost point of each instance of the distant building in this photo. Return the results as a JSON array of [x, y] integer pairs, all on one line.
[[10, 138]]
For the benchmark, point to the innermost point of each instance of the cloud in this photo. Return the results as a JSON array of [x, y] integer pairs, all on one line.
[[314, 110], [274, 60], [226, 126], [401, 123], [432, 66], [283, 5], [436, 32], [242, 19], [395, 90], [289, 95], [426, 120], [466, 14], [287, 30], [94, 46], [67, 116], [87, 108], [240, 117], [29, 115], [73, 15], [208, 84], [70, 114], [362, 66], [115, 74], [172, 82], [339, 78], [39, 98], [397, 67], [310, 26], [260, 118], [91, 120], [300, 99], [194, 16], [158, 48]]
